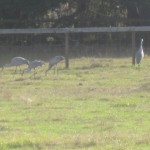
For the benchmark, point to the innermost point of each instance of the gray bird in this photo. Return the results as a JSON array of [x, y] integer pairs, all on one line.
[[17, 62], [140, 54], [33, 65], [53, 62]]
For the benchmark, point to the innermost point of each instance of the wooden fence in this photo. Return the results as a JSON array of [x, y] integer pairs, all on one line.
[[67, 31]]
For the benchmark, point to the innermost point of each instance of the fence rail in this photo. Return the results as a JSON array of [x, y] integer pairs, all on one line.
[[74, 30], [67, 31]]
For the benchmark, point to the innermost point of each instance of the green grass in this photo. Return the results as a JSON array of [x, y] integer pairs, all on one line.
[[97, 104]]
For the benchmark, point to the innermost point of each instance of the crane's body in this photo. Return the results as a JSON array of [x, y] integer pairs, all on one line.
[[33, 65], [140, 54], [17, 61], [53, 62]]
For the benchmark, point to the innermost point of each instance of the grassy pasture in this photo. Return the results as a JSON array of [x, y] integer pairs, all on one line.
[[97, 104]]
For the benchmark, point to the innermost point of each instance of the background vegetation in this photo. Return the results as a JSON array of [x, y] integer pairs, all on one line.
[[77, 13], [74, 13]]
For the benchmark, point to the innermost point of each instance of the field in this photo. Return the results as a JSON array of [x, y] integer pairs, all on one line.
[[97, 104]]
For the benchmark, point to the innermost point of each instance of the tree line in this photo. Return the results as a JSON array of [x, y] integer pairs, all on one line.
[[73, 13]]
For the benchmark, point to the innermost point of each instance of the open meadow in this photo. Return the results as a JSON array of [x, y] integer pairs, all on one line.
[[97, 104]]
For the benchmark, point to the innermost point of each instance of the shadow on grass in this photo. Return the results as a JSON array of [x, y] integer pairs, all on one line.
[[145, 87], [30, 145], [4, 128], [105, 100], [20, 79], [125, 105], [86, 145], [93, 66]]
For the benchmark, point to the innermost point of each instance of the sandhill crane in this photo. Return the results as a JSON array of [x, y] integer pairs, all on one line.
[[53, 62], [17, 61], [33, 65], [140, 54]]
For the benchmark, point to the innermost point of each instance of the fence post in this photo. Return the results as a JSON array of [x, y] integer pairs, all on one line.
[[133, 48], [67, 50]]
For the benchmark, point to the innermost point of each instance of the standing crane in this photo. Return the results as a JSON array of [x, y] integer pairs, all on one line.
[[140, 54], [53, 62], [33, 65], [17, 62]]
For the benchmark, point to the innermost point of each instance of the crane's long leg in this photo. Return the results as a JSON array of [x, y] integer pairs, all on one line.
[[20, 69], [23, 72], [34, 73], [15, 70], [50, 66], [55, 68], [139, 67]]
